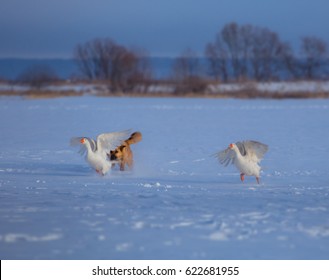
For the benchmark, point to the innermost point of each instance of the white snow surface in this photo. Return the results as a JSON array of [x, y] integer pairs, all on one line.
[[178, 202]]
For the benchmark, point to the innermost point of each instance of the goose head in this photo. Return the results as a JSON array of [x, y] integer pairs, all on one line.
[[234, 147]]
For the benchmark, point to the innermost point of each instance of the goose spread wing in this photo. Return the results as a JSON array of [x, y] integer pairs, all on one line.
[[254, 149], [109, 141], [226, 156]]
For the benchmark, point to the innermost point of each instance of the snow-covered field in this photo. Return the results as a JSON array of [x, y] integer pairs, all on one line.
[[178, 202]]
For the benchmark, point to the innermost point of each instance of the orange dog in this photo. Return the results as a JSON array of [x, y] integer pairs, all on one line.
[[123, 154]]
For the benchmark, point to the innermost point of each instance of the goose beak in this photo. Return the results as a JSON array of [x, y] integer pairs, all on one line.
[[82, 141], [231, 146]]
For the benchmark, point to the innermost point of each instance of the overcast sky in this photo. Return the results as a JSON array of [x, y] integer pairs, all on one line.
[[52, 28]]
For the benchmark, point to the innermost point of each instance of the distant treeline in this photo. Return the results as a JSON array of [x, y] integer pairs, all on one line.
[[237, 53]]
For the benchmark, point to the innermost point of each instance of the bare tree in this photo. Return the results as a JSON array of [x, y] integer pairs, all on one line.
[[83, 59], [247, 52], [187, 65], [268, 55], [187, 71], [218, 60], [38, 76], [103, 59], [238, 42], [230, 53], [229, 36], [314, 55], [144, 65], [289, 62]]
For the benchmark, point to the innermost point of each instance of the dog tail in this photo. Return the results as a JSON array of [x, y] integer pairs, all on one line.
[[134, 138]]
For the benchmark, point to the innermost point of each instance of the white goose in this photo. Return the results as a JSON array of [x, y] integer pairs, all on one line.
[[245, 156], [97, 151]]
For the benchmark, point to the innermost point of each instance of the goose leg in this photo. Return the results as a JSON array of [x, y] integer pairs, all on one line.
[[242, 177], [257, 179], [99, 172]]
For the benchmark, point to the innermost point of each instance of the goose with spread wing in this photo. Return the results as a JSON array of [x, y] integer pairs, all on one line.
[[245, 155], [97, 151]]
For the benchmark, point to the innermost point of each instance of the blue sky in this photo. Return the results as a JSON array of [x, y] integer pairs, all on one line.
[[52, 28]]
